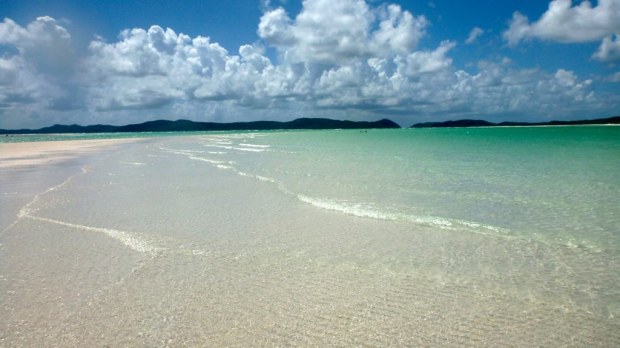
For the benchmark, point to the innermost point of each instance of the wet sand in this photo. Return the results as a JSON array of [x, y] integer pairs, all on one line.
[[138, 246], [50, 152]]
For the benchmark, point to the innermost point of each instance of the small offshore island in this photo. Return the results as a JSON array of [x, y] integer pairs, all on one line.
[[482, 123]]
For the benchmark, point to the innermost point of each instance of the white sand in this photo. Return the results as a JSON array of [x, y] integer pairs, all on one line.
[[48, 152], [240, 263]]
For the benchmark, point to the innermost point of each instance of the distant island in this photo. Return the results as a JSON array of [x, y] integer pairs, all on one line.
[[300, 123], [189, 126], [482, 123]]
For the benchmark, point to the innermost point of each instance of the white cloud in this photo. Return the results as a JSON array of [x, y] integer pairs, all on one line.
[[43, 43], [422, 62], [614, 77], [474, 34], [609, 50], [499, 89], [399, 31], [334, 32], [338, 59], [563, 22], [39, 75], [274, 27]]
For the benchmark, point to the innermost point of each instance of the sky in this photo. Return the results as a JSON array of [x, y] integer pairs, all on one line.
[[119, 62]]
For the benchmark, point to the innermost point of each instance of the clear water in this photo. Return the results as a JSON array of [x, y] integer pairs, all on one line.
[[411, 237], [557, 184]]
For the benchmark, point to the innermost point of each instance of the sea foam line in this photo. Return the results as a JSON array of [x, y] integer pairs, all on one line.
[[122, 236], [362, 210], [27, 209], [219, 146], [355, 209], [249, 149], [358, 209], [254, 145]]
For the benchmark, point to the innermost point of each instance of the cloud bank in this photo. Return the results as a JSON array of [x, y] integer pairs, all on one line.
[[343, 59], [565, 23]]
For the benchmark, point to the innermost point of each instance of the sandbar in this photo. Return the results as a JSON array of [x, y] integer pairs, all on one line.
[[48, 152]]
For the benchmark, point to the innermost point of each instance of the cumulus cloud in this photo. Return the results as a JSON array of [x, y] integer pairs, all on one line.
[[609, 50], [40, 74], [421, 62], [327, 61], [496, 88], [44, 43], [333, 32], [154, 67], [615, 77], [565, 23], [473, 35], [335, 58]]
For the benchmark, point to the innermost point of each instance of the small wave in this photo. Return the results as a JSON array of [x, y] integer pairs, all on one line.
[[582, 245], [183, 152], [134, 163], [264, 178], [367, 211], [249, 149], [254, 145], [258, 177], [219, 146], [126, 238], [196, 158]]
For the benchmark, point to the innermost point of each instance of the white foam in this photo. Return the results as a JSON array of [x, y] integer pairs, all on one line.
[[180, 152], [196, 158], [126, 238], [27, 209], [254, 145], [219, 146], [258, 177], [134, 163], [351, 209], [264, 178], [249, 149], [367, 211]]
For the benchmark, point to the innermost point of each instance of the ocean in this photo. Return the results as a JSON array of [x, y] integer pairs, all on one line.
[[450, 237]]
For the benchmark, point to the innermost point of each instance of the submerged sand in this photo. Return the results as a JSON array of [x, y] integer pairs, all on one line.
[[50, 152], [217, 259]]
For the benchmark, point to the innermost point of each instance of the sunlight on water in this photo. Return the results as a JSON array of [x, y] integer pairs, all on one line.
[[429, 237]]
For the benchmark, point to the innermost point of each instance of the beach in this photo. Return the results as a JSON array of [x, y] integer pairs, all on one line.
[[255, 239], [49, 152]]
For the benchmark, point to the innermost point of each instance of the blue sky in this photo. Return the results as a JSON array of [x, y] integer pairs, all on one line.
[[119, 62]]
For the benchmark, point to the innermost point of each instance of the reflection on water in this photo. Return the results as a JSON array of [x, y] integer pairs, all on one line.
[[323, 238]]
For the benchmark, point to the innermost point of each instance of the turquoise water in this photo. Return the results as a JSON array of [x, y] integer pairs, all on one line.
[[406, 237], [557, 184]]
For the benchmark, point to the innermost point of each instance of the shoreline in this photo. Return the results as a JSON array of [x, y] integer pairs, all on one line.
[[33, 153], [238, 262]]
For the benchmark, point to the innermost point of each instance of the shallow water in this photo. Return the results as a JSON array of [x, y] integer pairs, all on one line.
[[560, 184], [461, 237]]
